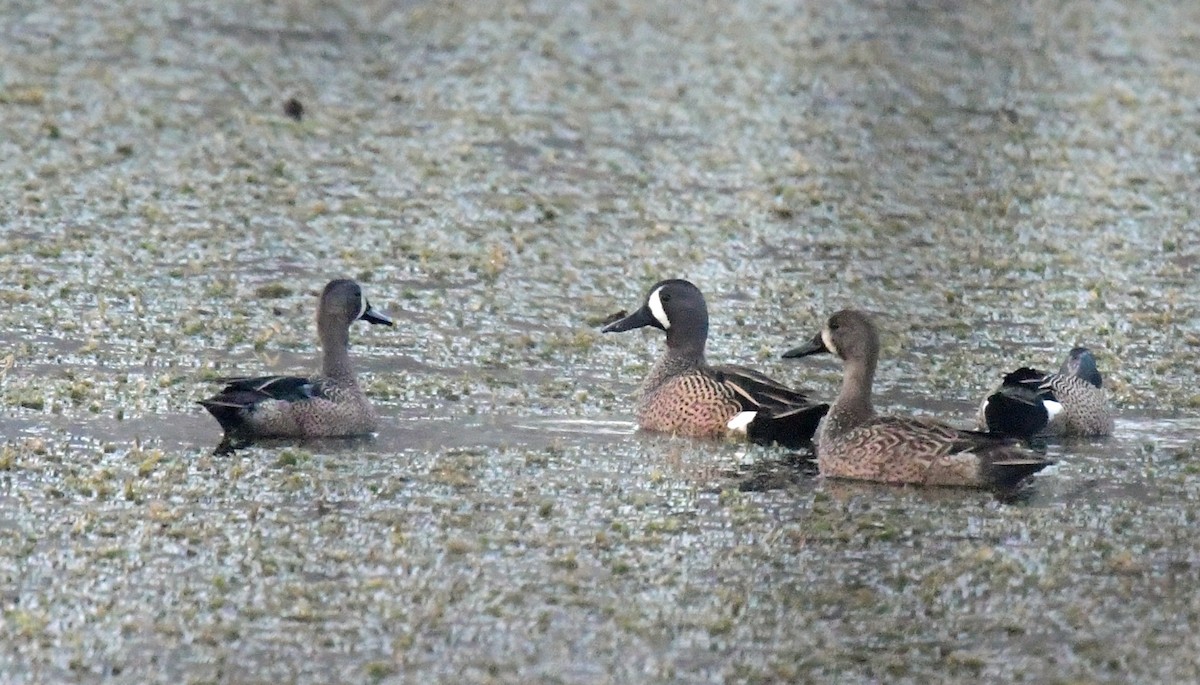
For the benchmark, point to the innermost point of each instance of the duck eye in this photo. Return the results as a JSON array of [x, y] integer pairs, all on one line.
[[834, 326], [664, 297]]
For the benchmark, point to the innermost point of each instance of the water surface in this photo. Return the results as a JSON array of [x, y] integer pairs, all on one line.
[[997, 183]]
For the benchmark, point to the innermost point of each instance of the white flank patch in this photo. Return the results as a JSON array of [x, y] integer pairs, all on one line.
[[739, 423], [657, 310], [828, 340], [1052, 408]]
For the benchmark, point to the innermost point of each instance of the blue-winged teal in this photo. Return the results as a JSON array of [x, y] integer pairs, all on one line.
[[856, 443], [1071, 402], [326, 405], [683, 395]]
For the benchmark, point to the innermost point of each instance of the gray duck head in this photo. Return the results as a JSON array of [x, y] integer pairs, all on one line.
[[675, 306], [849, 333], [343, 303], [1081, 363]]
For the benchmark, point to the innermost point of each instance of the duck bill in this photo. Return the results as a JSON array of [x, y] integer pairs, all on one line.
[[638, 319], [371, 316], [814, 346]]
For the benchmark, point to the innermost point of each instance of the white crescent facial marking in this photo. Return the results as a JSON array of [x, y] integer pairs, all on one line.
[[739, 423], [827, 338], [656, 308], [1052, 408], [362, 307]]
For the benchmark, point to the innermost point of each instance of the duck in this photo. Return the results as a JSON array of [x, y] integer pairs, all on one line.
[[328, 404], [684, 395], [856, 443], [1071, 402]]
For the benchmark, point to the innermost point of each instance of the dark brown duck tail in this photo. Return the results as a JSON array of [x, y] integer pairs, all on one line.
[[1018, 408], [230, 415], [793, 428], [1006, 469], [1013, 416]]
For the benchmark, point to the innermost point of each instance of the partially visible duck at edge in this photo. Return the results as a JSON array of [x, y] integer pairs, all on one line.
[[1070, 403]]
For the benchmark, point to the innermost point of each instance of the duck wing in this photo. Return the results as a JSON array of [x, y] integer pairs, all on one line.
[[759, 389], [259, 388], [771, 411], [243, 392]]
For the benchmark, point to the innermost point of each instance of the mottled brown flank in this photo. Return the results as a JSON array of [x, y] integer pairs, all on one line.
[[1084, 408], [694, 404], [344, 411], [908, 450]]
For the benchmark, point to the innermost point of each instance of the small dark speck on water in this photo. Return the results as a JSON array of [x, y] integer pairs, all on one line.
[[294, 109]]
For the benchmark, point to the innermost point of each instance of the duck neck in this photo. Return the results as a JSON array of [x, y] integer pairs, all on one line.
[[853, 405], [684, 352], [335, 344]]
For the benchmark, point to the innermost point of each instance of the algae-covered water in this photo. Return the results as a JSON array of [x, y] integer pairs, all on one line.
[[997, 181]]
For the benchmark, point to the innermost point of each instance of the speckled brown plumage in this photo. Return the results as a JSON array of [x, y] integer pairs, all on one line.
[[892, 449], [693, 404], [312, 407], [854, 442], [330, 404], [683, 395], [1084, 407]]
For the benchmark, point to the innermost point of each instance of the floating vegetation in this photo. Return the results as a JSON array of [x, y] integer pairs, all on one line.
[[504, 181]]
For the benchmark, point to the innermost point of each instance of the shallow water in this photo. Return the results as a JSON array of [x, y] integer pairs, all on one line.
[[996, 182]]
